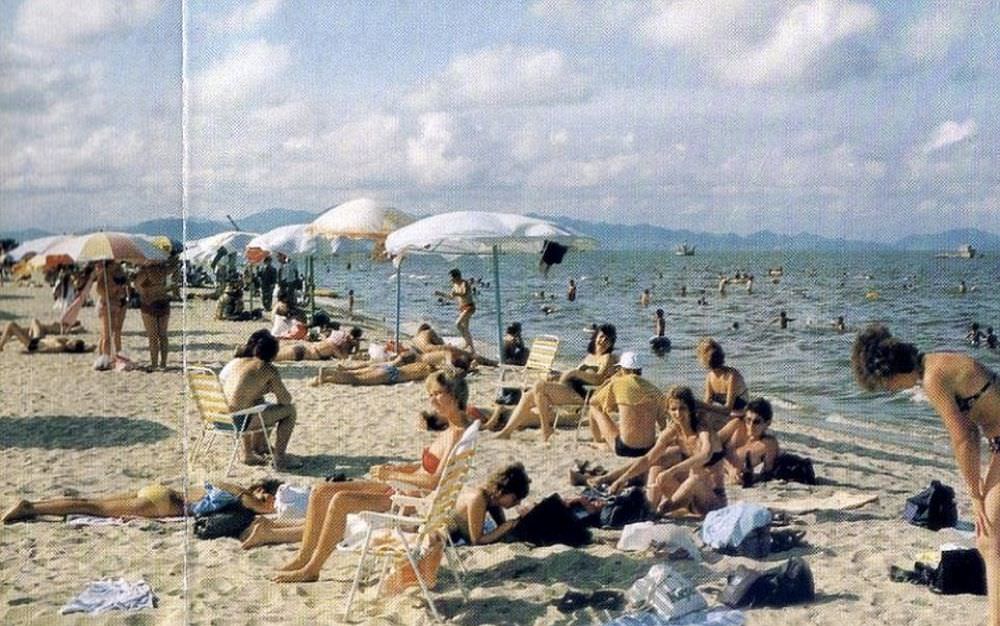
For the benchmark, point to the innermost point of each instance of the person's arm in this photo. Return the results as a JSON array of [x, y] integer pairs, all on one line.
[[278, 388], [700, 456], [727, 432], [476, 516], [708, 388], [771, 451], [423, 480]]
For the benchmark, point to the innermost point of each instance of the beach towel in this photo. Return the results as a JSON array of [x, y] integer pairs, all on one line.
[[727, 528], [79, 521], [837, 501], [641, 535], [112, 595], [291, 502], [717, 617]]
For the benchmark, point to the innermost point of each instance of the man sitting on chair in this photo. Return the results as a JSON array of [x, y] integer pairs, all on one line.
[[640, 407], [246, 380]]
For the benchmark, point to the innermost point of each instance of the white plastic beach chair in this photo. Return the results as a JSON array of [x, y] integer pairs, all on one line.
[[411, 535], [216, 418], [541, 358]]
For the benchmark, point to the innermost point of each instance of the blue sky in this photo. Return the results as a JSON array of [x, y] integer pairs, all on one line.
[[866, 119]]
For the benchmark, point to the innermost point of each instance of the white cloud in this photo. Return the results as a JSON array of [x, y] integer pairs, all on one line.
[[931, 36], [948, 133], [247, 18], [695, 23], [428, 156], [505, 76], [58, 23], [799, 40], [249, 71]]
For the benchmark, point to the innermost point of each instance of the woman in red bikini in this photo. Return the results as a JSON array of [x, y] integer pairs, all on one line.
[[966, 396], [329, 503]]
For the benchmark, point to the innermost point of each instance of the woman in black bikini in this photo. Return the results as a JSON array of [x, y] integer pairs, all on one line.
[[110, 283], [330, 502], [965, 395], [725, 389]]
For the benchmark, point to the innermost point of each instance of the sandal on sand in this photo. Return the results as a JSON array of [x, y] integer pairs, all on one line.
[[602, 599], [786, 539]]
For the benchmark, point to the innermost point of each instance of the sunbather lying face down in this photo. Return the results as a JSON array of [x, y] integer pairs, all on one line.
[[151, 501], [404, 368], [329, 503]]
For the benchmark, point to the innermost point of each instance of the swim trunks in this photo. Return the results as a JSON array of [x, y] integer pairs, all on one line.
[[33, 344], [298, 352], [391, 371], [624, 450], [157, 308], [158, 495], [738, 405]]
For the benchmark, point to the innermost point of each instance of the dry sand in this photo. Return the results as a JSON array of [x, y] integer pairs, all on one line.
[[66, 429]]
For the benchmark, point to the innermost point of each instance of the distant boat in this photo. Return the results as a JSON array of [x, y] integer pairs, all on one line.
[[965, 251], [684, 250]]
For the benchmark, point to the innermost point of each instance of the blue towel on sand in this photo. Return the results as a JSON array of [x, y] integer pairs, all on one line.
[[728, 527], [112, 595], [718, 617]]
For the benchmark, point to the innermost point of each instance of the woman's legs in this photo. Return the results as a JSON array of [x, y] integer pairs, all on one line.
[[125, 505], [548, 394], [104, 342], [153, 337], [13, 330], [325, 528], [264, 531], [462, 324], [521, 415], [989, 543], [162, 323], [118, 319]]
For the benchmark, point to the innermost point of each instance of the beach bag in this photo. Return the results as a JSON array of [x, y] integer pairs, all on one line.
[[960, 571], [794, 468], [790, 583], [624, 509], [229, 522], [551, 522], [665, 591], [291, 502], [742, 528], [933, 508], [509, 396], [214, 500]]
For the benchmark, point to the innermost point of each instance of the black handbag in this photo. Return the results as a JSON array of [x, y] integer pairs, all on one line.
[[933, 508], [228, 522]]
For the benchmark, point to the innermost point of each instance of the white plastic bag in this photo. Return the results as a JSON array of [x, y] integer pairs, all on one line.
[[639, 536], [666, 591], [291, 502]]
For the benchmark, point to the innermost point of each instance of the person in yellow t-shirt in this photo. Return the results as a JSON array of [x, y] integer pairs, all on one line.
[[640, 407]]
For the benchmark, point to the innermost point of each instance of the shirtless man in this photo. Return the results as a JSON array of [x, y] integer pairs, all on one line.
[[339, 344], [34, 339], [640, 409], [245, 381], [748, 444], [461, 291], [37, 329]]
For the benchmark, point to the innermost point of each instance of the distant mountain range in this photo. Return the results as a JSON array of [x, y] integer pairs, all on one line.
[[611, 236]]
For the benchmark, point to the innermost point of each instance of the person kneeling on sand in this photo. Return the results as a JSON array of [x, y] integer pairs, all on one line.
[[748, 444], [339, 344], [35, 340], [151, 501], [640, 407], [330, 502], [246, 380]]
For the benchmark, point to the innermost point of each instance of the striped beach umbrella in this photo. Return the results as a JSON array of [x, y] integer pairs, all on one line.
[[107, 246]]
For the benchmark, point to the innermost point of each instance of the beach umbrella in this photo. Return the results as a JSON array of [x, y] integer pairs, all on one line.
[[292, 241], [478, 233], [361, 218], [202, 251], [32, 247]]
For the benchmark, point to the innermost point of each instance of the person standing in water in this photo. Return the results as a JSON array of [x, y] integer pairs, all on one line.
[[645, 298], [571, 292], [782, 320], [461, 291]]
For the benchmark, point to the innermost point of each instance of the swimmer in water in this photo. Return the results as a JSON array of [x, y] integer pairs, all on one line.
[[839, 325], [645, 298], [571, 292], [782, 320]]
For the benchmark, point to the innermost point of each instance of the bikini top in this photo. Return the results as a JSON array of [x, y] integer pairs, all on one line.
[[429, 461], [965, 403]]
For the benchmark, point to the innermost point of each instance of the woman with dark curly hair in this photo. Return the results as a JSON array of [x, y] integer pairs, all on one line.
[[965, 395], [725, 389], [569, 389]]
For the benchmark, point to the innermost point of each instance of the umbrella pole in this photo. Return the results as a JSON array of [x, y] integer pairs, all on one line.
[[107, 311], [311, 265], [399, 295], [496, 293]]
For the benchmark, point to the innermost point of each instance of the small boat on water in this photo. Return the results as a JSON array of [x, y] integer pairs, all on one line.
[[684, 250], [965, 251]]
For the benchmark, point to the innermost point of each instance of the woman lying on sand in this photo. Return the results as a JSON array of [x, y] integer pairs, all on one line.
[[151, 501], [684, 469], [427, 341], [724, 385], [748, 444], [407, 367], [339, 344], [35, 341], [570, 390], [329, 503], [966, 395]]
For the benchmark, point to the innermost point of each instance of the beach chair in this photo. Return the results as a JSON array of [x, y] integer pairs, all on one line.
[[216, 418], [541, 358], [410, 534]]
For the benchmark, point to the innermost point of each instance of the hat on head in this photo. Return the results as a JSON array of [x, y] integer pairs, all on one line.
[[630, 361]]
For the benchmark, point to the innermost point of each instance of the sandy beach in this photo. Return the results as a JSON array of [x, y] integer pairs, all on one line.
[[66, 429]]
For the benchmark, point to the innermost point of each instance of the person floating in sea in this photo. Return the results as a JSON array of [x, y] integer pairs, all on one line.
[[659, 342], [645, 298], [966, 396], [782, 320], [962, 288], [723, 281], [461, 291], [839, 325], [974, 336], [571, 291], [350, 303]]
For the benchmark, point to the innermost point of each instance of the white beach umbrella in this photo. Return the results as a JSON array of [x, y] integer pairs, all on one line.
[[202, 251], [479, 233], [361, 218], [292, 241], [106, 246], [32, 247]]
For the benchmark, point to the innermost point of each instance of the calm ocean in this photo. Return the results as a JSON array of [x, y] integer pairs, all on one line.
[[804, 370]]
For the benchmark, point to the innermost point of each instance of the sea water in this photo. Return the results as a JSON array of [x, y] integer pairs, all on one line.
[[804, 370]]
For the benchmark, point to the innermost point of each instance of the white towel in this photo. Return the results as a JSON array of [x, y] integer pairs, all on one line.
[[112, 595]]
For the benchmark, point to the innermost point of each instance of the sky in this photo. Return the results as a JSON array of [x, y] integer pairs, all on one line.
[[865, 119]]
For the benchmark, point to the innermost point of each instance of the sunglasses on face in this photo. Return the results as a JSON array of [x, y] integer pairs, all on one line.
[[754, 421]]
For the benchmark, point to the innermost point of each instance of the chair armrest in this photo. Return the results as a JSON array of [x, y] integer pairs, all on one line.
[[381, 520], [254, 410]]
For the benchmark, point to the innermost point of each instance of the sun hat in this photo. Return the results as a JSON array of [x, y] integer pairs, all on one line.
[[630, 361]]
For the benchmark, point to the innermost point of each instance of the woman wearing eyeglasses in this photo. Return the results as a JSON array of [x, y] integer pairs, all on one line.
[[748, 443]]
